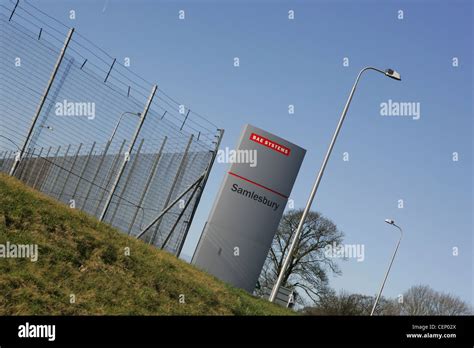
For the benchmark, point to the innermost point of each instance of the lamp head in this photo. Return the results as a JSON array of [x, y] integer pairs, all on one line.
[[393, 74], [389, 221]]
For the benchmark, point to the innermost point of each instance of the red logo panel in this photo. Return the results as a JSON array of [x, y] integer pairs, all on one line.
[[270, 144]]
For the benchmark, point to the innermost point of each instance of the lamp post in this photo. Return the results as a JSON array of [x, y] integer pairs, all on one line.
[[120, 120], [389, 73], [47, 127], [390, 222]]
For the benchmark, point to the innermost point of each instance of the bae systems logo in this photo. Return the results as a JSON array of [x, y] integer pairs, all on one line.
[[270, 144]]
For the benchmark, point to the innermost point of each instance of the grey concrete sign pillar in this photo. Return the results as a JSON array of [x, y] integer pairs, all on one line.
[[250, 203]]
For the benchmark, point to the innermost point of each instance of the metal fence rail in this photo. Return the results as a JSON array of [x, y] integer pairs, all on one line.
[[84, 129]]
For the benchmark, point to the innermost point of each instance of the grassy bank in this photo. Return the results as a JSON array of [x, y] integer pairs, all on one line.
[[84, 260]]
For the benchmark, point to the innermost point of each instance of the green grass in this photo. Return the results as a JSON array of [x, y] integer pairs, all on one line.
[[80, 256]]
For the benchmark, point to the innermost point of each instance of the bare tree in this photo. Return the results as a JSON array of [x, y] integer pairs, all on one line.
[[418, 300], [309, 266], [423, 300], [351, 304]]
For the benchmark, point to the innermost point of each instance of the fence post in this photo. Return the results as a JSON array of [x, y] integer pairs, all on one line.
[[130, 148], [170, 193], [60, 168], [59, 85], [108, 176], [165, 210], [179, 218], [106, 149], [41, 168], [145, 188], [130, 174], [83, 170], [200, 190], [24, 168], [34, 166], [42, 101], [52, 165], [69, 171], [5, 159]]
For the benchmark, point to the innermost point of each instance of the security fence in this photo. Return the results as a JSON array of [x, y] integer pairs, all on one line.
[[86, 130]]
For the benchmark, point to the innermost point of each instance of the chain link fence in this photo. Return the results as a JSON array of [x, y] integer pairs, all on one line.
[[89, 132]]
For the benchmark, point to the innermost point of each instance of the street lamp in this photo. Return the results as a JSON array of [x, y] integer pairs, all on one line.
[[390, 73], [390, 222], [120, 120], [47, 127]]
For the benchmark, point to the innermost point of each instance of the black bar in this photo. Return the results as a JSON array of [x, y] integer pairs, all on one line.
[[14, 9], [289, 330], [113, 63], [187, 114]]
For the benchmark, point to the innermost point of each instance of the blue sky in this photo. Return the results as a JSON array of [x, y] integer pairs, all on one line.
[[300, 62]]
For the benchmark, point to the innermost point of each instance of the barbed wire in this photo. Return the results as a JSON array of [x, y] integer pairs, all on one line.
[[29, 8]]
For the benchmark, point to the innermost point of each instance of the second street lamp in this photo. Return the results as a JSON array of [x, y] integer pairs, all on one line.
[[390, 222], [120, 120], [390, 73]]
